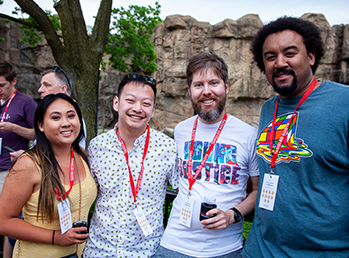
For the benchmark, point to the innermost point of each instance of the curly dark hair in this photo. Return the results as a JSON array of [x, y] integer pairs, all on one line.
[[308, 30]]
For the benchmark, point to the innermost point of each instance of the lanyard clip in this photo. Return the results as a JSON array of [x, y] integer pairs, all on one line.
[[189, 194]]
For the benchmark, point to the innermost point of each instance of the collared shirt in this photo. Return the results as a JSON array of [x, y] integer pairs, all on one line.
[[114, 230]]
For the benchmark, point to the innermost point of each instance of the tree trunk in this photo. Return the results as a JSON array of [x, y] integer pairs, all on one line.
[[78, 53]]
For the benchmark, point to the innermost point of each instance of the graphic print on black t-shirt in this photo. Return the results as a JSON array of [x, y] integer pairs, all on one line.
[[221, 166], [292, 148]]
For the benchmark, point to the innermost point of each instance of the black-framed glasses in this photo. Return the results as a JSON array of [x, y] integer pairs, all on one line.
[[60, 70], [149, 80]]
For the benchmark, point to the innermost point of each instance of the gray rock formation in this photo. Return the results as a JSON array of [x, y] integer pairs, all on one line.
[[176, 39]]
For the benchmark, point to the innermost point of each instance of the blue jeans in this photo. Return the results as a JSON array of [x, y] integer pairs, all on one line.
[[163, 252]]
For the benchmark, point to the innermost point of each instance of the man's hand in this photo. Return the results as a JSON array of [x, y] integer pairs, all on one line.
[[27, 133], [6, 127], [221, 221], [15, 155]]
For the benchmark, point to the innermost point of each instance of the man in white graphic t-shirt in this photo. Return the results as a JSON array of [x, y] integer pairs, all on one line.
[[217, 156]]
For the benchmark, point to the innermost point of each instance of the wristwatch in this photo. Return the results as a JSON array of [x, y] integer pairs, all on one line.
[[237, 215]]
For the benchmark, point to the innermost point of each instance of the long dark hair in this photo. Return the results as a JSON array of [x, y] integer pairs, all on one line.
[[42, 154]]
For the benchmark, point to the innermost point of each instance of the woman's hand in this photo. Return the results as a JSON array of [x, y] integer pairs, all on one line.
[[70, 237]]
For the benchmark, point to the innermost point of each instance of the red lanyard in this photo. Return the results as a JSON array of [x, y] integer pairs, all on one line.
[[8, 104], [71, 178], [192, 178], [140, 177], [285, 131]]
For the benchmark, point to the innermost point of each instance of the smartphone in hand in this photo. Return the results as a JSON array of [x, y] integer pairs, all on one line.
[[8, 148]]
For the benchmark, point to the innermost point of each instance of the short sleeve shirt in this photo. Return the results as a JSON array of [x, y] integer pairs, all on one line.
[[114, 230], [21, 112], [224, 176]]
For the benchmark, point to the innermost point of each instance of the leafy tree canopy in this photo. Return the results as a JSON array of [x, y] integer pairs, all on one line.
[[130, 37]]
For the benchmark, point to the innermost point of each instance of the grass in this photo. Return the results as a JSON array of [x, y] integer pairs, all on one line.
[[246, 229]]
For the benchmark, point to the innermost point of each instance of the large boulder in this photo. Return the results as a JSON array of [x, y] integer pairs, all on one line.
[[177, 39]]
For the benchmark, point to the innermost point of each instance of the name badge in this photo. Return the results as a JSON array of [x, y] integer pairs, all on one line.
[[142, 221], [268, 192], [64, 215], [0, 145], [187, 212]]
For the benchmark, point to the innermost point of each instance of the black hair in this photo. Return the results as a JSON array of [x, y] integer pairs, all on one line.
[[139, 80], [42, 153], [39, 116], [308, 30]]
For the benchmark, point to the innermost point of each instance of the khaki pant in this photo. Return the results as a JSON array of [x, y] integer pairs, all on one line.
[[3, 175]]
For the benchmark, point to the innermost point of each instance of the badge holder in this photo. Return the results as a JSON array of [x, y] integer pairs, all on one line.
[[268, 192], [64, 214], [142, 221], [187, 211]]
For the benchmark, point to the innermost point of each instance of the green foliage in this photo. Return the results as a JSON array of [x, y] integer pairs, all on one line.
[[90, 213], [246, 229], [169, 207], [130, 36], [17, 10], [103, 65], [31, 34]]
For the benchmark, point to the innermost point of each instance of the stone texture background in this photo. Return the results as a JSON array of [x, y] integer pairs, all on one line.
[[176, 39]]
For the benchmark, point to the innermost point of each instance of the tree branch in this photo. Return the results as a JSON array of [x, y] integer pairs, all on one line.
[[31, 8], [100, 32], [20, 21], [79, 21], [70, 35]]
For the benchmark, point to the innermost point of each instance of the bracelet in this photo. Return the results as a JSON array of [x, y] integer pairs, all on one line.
[[53, 236]]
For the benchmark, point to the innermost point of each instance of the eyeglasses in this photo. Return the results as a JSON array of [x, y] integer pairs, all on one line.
[[149, 80], [60, 70]]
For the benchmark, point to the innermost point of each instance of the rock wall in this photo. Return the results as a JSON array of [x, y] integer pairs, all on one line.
[[29, 61], [176, 39]]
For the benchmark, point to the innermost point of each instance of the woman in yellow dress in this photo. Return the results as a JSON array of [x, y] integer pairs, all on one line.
[[54, 172]]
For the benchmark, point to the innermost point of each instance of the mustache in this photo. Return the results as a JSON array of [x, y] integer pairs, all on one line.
[[283, 70]]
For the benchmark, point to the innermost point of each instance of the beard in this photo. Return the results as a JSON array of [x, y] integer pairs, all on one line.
[[285, 90], [209, 116]]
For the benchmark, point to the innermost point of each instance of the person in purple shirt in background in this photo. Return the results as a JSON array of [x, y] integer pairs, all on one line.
[[16, 122]]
